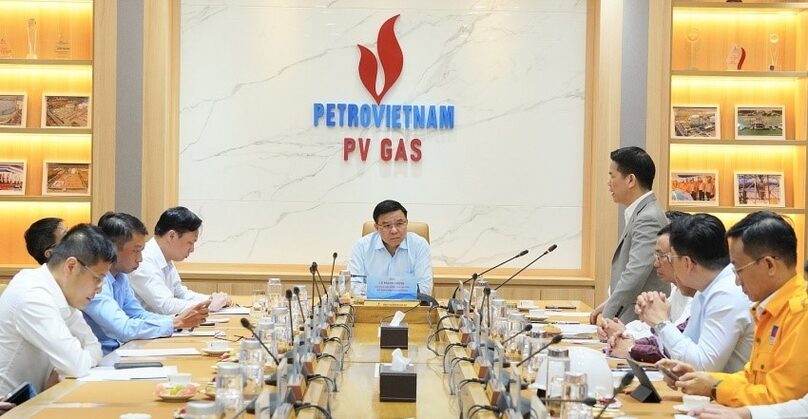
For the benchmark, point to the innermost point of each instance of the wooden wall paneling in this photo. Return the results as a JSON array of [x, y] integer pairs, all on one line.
[[104, 106]]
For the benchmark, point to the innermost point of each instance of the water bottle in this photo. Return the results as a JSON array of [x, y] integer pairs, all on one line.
[[274, 293], [558, 363], [251, 359], [342, 281], [228, 388], [201, 410], [265, 330], [575, 389]]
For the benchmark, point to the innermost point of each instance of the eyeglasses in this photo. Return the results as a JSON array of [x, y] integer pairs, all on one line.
[[736, 271], [398, 225], [224, 337], [670, 256], [98, 278], [659, 256]]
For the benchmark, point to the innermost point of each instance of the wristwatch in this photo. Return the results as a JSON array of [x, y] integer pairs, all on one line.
[[714, 390], [661, 325]]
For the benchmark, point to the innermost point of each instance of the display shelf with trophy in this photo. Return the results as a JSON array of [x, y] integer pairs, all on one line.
[[734, 107], [47, 83]]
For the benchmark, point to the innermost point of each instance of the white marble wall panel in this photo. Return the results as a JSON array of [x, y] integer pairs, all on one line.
[[272, 188]]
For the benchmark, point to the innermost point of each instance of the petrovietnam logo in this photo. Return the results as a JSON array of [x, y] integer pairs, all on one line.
[[390, 56], [415, 118]]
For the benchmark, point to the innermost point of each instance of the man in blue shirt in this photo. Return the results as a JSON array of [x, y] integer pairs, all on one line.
[[114, 314], [391, 251]]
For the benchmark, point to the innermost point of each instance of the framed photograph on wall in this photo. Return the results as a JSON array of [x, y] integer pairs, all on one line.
[[694, 188], [66, 178], [696, 121], [12, 178], [757, 189], [13, 109], [66, 111], [760, 123]]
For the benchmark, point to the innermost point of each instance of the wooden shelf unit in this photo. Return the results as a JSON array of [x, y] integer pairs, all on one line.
[[698, 37]]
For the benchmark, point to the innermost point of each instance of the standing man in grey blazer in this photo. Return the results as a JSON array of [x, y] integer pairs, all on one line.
[[631, 175]]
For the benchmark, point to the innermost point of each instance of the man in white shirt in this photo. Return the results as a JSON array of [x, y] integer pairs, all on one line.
[[41, 327], [719, 335], [391, 251], [156, 281]]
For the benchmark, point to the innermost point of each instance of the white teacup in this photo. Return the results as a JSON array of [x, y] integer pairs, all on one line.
[[181, 378], [216, 345], [694, 402]]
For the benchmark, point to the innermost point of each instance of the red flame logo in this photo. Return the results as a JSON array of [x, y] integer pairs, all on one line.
[[389, 55]]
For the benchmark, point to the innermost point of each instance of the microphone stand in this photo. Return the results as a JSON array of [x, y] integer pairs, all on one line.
[[549, 249], [474, 276]]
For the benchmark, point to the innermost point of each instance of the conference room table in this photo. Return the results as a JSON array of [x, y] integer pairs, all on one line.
[[358, 383]]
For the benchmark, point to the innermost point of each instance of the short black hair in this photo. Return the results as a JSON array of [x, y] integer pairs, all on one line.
[[40, 237], [387, 206], [85, 242], [179, 219], [703, 238], [634, 160], [766, 233], [672, 216], [120, 227]]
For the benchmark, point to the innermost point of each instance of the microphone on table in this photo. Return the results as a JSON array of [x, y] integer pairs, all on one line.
[[299, 304], [528, 327], [425, 299], [291, 318], [549, 249], [247, 325], [553, 341], [474, 277], [589, 401], [404, 312], [333, 264], [624, 382], [317, 271], [314, 286], [271, 379]]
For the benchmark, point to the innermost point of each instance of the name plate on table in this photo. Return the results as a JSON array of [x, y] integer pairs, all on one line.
[[392, 288]]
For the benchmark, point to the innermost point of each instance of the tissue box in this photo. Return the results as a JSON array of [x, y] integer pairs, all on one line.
[[394, 336], [395, 386]]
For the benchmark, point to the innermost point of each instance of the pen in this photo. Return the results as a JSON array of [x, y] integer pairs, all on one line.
[[559, 308], [619, 312]]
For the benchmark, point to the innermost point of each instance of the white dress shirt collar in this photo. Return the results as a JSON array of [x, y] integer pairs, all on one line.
[[633, 207], [153, 248]]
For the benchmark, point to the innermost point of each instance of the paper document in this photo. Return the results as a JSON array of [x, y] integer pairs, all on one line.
[[111, 374], [157, 352], [234, 311], [581, 330]]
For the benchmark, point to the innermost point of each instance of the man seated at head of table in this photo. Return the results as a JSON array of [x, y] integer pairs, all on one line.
[[636, 340], [42, 330], [718, 336], [391, 250], [42, 236], [156, 282], [763, 253], [114, 314]]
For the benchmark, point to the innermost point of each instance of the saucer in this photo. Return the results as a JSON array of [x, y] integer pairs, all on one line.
[[214, 352]]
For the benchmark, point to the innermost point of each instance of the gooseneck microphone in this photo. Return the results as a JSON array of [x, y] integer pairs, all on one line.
[[589, 401], [528, 327], [404, 312], [333, 264], [549, 249], [291, 318], [316, 288], [248, 326], [315, 269], [624, 382], [476, 275], [299, 304], [556, 339]]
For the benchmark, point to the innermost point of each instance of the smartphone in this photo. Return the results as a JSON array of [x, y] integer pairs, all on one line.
[[125, 365], [21, 394], [668, 373]]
